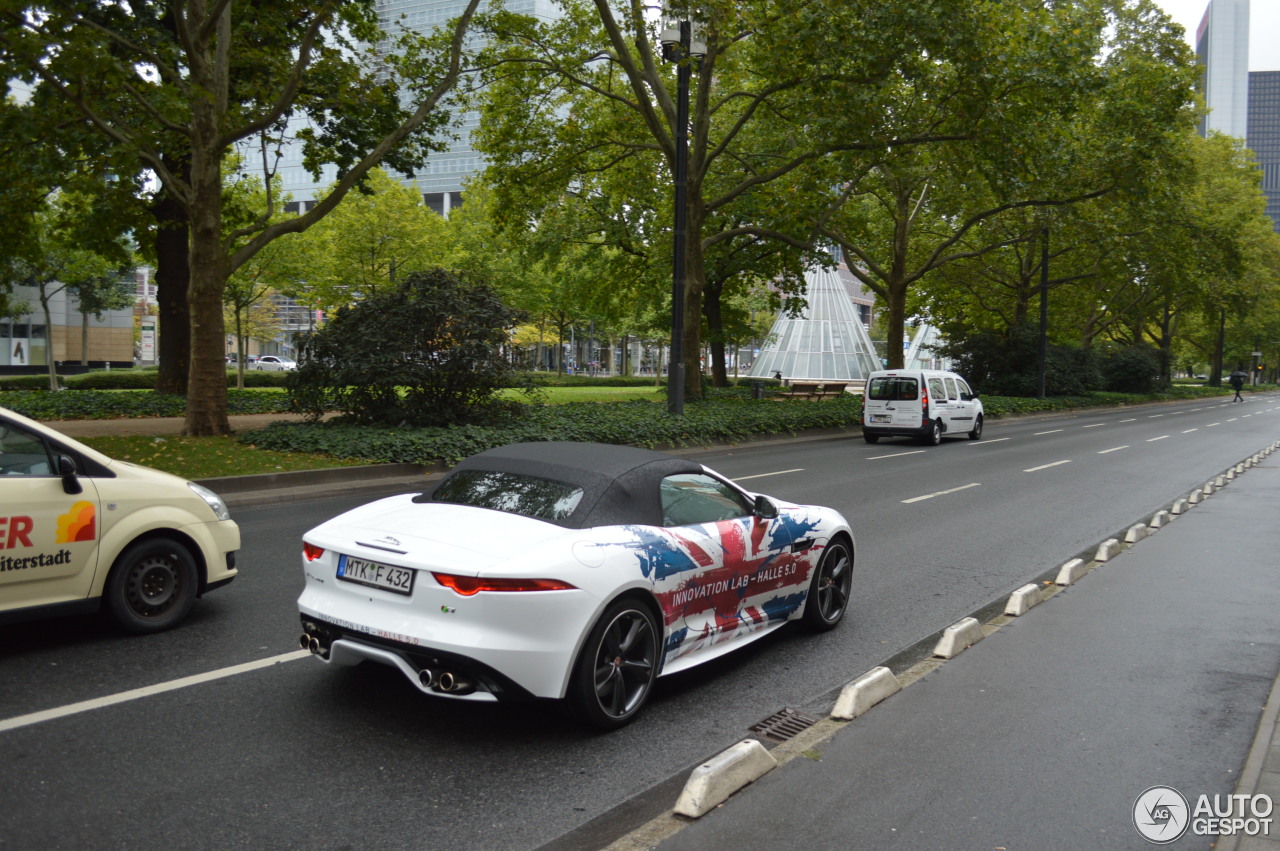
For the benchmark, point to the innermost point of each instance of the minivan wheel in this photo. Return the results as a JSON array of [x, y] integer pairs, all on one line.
[[976, 434], [935, 433], [871, 438], [152, 586]]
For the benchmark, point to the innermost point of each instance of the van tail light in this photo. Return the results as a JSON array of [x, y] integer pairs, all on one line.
[[924, 405], [469, 585], [311, 552]]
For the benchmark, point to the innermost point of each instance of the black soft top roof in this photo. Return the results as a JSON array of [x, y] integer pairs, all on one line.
[[619, 483]]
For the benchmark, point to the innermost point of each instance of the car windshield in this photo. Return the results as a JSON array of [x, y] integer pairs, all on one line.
[[528, 496], [892, 389]]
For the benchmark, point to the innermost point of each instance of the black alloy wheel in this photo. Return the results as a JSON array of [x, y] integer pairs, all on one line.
[[617, 667], [830, 586]]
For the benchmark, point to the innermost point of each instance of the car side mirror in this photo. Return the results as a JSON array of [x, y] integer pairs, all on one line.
[[764, 508], [67, 469]]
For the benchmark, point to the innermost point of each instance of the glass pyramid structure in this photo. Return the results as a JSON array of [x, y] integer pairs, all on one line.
[[922, 353], [827, 342]]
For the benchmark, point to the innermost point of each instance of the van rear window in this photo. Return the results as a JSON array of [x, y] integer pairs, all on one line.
[[893, 388]]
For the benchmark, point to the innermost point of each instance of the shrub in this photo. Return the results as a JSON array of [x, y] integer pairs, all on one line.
[[1008, 365], [1133, 369], [425, 353]]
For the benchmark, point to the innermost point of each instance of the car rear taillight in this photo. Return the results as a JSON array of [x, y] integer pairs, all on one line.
[[469, 585], [311, 552]]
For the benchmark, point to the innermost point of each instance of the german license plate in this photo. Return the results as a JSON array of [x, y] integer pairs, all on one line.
[[387, 577], [881, 418]]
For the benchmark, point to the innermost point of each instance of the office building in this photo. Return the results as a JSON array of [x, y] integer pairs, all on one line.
[[1264, 135], [1222, 50]]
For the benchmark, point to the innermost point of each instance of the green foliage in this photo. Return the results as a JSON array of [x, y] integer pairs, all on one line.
[[103, 405], [126, 379], [425, 352], [1133, 369], [727, 416], [1008, 364]]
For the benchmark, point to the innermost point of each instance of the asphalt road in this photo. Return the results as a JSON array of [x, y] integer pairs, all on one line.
[[297, 754]]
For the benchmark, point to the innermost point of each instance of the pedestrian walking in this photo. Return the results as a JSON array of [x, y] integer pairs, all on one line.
[[1237, 384]]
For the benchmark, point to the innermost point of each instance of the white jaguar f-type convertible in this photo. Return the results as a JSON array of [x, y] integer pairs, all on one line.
[[576, 571]]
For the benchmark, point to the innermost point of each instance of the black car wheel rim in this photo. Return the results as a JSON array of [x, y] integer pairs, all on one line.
[[833, 583], [624, 663], [153, 586]]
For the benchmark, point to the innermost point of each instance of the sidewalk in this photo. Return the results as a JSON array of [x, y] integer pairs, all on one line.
[[1156, 669]]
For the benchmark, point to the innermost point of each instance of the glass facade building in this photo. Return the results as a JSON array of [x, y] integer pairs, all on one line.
[[1222, 49], [1264, 135]]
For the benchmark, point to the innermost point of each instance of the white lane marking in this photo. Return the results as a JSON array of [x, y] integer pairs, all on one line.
[[762, 475], [1233, 419], [895, 455], [1131, 419], [1211, 425], [146, 691], [1045, 466], [1055, 431], [1095, 425], [1153, 416], [942, 493], [1188, 431], [1154, 439], [1113, 449], [989, 442]]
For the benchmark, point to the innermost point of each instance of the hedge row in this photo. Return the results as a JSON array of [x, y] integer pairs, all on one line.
[[100, 405], [125, 379], [727, 416]]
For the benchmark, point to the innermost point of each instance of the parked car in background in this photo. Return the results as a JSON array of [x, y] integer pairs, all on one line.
[[80, 531], [249, 360], [275, 363], [577, 571]]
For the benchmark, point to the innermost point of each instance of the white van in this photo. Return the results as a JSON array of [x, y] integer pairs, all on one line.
[[923, 403], [81, 531]]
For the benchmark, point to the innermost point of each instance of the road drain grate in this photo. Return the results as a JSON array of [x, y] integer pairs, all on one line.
[[784, 724]]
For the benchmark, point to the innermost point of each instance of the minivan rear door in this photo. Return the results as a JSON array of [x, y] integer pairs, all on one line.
[[892, 400]]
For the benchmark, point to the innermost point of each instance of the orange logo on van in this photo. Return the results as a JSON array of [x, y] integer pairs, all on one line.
[[78, 524]]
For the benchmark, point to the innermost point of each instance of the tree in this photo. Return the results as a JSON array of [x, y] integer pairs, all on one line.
[[199, 76], [52, 259], [96, 295], [369, 240], [424, 351]]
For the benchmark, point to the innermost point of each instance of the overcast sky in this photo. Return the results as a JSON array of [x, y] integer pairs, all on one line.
[[1264, 28]]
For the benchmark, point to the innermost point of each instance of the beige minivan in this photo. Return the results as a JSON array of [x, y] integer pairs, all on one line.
[[80, 531], [921, 403]]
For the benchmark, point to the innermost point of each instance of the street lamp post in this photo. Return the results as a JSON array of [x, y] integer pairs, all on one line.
[[678, 46]]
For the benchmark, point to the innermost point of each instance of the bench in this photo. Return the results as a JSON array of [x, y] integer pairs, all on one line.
[[815, 389]]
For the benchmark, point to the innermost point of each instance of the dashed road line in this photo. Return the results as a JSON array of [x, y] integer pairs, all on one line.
[[895, 455], [1113, 449], [989, 442], [1054, 431], [1045, 466], [762, 475], [942, 493], [1154, 439]]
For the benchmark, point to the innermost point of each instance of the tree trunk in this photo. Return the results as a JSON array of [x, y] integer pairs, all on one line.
[[48, 338], [715, 335], [173, 279], [84, 338]]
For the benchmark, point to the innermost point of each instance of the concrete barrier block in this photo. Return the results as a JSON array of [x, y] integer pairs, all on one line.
[[711, 783], [957, 637], [1231, 474], [865, 692], [1179, 507], [1136, 533], [1158, 520], [1021, 601], [1194, 499], [1208, 488], [1240, 468], [1220, 481], [1107, 549], [1071, 571]]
